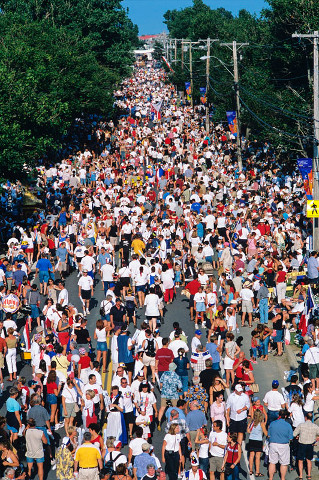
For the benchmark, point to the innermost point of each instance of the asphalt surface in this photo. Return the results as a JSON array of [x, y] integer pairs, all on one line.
[[264, 372]]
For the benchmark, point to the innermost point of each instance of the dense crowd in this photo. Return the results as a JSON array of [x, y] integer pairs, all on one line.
[[158, 208]]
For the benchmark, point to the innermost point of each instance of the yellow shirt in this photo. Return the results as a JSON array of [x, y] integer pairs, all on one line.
[[138, 246], [87, 455]]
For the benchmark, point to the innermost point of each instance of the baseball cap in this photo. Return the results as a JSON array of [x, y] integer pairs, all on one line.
[[117, 444], [198, 332], [239, 388], [275, 383]]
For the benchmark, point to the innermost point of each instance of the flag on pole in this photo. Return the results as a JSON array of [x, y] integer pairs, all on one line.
[[310, 305], [232, 122], [305, 168], [26, 336], [156, 109], [203, 98], [189, 92], [167, 63]]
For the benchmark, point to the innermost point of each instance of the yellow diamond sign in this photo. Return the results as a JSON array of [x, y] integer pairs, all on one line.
[[313, 208]]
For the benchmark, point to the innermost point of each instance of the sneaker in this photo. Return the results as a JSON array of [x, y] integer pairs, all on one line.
[[196, 326], [254, 361], [53, 462], [87, 311], [292, 330], [79, 274], [204, 325], [159, 428], [53, 467]]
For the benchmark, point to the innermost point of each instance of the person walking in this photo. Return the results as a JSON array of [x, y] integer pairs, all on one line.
[[171, 451], [232, 457], [307, 434], [256, 430], [217, 444], [87, 461], [274, 401], [237, 408], [35, 439], [280, 433]]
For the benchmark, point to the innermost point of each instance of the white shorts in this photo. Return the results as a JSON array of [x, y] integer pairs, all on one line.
[[279, 452]]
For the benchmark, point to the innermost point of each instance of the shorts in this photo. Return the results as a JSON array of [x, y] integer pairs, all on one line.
[[129, 367], [313, 371], [38, 460], [70, 410], [215, 464], [279, 452], [129, 417], [200, 307], [163, 401], [238, 426], [62, 266], [125, 281], [44, 277], [52, 399], [86, 294], [148, 361], [255, 446], [101, 346], [191, 301], [304, 451], [246, 307], [64, 338], [140, 288], [1, 360], [35, 312]]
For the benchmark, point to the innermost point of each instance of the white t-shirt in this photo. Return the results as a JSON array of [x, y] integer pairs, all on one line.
[[175, 345], [85, 283], [107, 272], [274, 400], [136, 446], [219, 437], [87, 263], [172, 442]]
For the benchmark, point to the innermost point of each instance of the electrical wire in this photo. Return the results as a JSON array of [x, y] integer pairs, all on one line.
[[278, 130], [287, 113]]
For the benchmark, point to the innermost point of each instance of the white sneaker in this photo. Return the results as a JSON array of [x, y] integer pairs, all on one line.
[[53, 462], [79, 274], [204, 325], [196, 326], [87, 311]]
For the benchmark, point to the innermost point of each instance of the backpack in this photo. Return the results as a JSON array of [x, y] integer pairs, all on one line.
[[150, 349], [109, 466]]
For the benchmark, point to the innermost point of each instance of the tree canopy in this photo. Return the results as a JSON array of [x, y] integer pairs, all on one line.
[[275, 70], [58, 59]]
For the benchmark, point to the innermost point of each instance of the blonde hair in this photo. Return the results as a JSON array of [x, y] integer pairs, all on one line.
[[90, 393]]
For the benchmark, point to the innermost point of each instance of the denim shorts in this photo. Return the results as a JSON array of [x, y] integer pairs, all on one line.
[[52, 399], [38, 460], [102, 346]]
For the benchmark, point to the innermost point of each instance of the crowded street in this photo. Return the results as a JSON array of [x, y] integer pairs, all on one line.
[[159, 314]]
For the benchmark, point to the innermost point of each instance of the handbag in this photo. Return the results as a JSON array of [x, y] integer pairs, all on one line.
[[254, 387]]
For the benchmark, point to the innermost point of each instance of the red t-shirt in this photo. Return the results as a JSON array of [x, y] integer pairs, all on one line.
[[281, 276], [193, 286], [85, 361], [51, 387], [164, 356]]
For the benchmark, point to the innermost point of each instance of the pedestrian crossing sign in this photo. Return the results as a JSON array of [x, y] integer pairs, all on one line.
[[313, 208]]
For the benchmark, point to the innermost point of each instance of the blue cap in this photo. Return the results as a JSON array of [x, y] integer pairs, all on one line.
[[275, 383], [198, 332]]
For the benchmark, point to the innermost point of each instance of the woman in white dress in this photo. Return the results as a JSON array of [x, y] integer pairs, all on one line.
[[115, 420], [152, 304]]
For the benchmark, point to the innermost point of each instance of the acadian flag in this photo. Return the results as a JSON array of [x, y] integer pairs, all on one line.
[[232, 122], [305, 168], [189, 92], [310, 305], [156, 109], [203, 98]]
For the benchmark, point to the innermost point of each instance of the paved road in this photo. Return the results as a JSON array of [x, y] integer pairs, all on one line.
[[265, 372]]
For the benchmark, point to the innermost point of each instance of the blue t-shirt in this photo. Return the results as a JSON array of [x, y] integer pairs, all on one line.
[[12, 405], [43, 264], [195, 420], [181, 414], [61, 253], [280, 431], [212, 349]]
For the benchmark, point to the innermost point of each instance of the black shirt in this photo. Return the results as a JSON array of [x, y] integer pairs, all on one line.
[[207, 377], [118, 314], [82, 335]]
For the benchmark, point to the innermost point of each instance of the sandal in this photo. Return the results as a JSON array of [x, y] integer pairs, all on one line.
[[259, 475]]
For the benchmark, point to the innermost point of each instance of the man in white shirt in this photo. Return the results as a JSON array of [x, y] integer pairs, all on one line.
[[247, 295], [98, 399], [88, 263], [85, 284], [107, 271], [217, 444], [63, 298], [274, 401], [237, 408], [176, 344]]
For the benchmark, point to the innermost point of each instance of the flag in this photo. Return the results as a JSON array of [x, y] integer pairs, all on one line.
[[310, 305], [167, 63], [189, 92], [232, 122], [156, 109], [203, 98], [26, 336], [305, 168]]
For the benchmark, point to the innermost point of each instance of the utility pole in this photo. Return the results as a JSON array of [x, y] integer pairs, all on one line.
[[234, 46], [170, 50], [315, 162], [175, 55], [182, 56], [207, 85], [191, 73]]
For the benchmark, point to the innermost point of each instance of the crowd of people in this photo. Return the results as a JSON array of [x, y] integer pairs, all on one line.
[[155, 211]]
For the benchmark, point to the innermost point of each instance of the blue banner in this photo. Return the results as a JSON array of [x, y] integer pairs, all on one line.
[[305, 168], [188, 91], [202, 92], [232, 122]]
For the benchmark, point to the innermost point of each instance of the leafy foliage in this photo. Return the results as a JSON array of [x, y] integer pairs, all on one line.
[[275, 70], [57, 60]]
